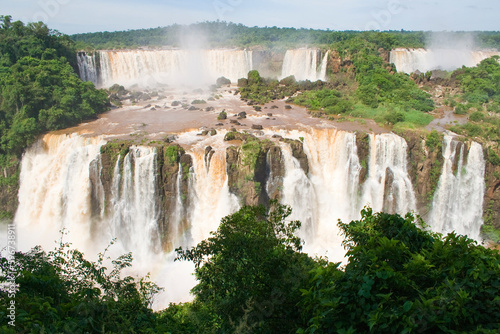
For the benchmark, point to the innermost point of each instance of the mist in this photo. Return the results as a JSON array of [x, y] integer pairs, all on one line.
[[449, 51]]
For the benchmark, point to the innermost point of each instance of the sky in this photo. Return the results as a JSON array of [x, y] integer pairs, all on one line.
[[80, 16]]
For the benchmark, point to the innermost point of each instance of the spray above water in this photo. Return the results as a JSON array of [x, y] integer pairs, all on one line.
[[444, 51]]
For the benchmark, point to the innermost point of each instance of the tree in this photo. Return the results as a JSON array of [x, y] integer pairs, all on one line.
[[62, 292], [403, 279], [250, 271]]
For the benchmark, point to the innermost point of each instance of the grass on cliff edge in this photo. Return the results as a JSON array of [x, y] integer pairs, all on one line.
[[392, 115]]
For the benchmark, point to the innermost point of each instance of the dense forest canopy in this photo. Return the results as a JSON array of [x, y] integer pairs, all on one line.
[[40, 89], [253, 278], [224, 34]]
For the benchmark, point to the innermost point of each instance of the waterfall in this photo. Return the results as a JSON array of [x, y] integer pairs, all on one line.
[[304, 64], [210, 191], [61, 187], [189, 67], [458, 200], [411, 60], [164, 67], [55, 190], [135, 209], [297, 188], [87, 66], [328, 193], [388, 186]]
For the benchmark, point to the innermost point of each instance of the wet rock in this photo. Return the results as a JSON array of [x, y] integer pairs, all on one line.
[[298, 152], [257, 127], [222, 116], [242, 114]]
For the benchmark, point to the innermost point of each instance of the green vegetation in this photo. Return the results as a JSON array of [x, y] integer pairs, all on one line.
[[366, 87], [62, 292], [253, 278], [481, 96], [250, 272], [328, 100], [401, 279], [172, 154], [224, 34], [39, 89], [434, 140]]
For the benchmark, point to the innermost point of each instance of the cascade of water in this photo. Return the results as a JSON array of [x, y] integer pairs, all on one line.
[[135, 211], [298, 190], [388, 186], [178, 234], [185, 67], [303, 64], [411, 60], [328, 193], [55, 190], [60, 184], [324, 66], [210, 191], [458, 201], [87, 66]]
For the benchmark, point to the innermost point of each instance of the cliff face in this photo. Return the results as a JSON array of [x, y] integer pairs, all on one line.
[[256, 171], [173, 167], [491, 227], [9, 187], [425, 164]]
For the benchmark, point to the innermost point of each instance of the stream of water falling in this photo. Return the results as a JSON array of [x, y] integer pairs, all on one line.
[[59, 179], [459, 197]]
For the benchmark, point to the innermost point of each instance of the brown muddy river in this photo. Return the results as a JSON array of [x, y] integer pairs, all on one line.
[[156, 119]]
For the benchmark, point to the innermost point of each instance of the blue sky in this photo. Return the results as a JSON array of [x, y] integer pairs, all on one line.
[[76, 16]]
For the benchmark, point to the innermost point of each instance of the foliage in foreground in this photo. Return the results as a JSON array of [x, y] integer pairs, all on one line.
[[252, 278], [403, 279], [250, 272], [62, 292]]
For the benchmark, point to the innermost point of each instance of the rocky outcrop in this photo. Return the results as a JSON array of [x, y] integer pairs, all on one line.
[[425, 163], [247, 170], [298, 153], [9, 187], [363, 149], [173, 177], [491, 227]]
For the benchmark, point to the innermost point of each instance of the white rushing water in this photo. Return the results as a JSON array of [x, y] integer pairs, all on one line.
[[423, 60], [164, 67], [55, 191], [305, 64], [151, 68], [388, 186], [134, 200], [458, 201], [61, 185]]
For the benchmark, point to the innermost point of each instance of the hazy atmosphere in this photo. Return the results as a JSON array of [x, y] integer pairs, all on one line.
[[71, 16]]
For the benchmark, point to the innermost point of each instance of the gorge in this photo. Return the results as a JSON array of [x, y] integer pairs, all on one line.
[[160, 177]]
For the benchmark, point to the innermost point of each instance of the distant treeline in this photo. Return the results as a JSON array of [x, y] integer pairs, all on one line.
[[224, 34]]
